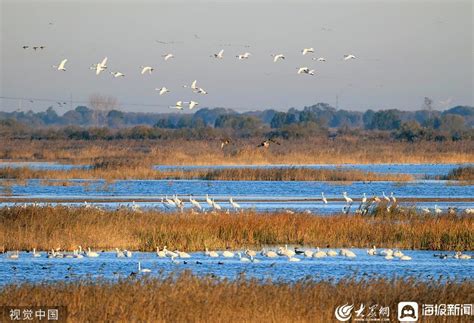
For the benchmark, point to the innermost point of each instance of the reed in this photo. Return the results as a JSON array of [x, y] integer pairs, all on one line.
[[106, 171], [315, 150], [465, 173], [188, 298], [44, 228]]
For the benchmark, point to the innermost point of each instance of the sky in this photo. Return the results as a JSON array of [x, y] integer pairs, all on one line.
[[405, 50]]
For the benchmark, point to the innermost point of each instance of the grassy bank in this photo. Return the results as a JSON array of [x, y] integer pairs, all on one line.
[[346, 149], [187, 298], [461, 174], [119, 172], [53, 227]]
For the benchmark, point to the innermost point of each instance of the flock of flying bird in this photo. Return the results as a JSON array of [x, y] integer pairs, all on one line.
[[180, 105]]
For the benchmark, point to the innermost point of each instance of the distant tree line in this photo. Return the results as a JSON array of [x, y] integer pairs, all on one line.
[[320, 119]]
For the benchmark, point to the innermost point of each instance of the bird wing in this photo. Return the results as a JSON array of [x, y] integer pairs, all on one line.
[[193, 85], [104, 62], [63, 62], [221, 52]]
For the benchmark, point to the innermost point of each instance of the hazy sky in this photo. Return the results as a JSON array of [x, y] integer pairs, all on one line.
[[406, 50]]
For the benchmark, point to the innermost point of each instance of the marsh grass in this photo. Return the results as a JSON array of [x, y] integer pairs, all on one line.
[[44, 228], [316, 150], [464, 173], [188, 298], [111, 171]]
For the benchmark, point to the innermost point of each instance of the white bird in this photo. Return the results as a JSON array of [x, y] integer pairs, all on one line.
[[143, 270], [146, 69], [285, 252], [212, 254], [250, 253], [178, 106], [320, 59], [325, 201], [167, 56], [127, 253], [169, 253], [405, 258], [209, 201], [117, 74], [216, 206], [398, 254], [195, 203], [192, 104], [219, 55], [182, 254], [388, 257], [293, 259], [277, 57], [319, 254], [437, 210], [462, 256], [162, 90], [348, 57], [426, 210], [347, 198], [245, 55], [119, 253], [386, 252], [269, 253], [91, 254], [228, 254], [100, 67], [308, 253], [36, 254], [243, 259], [234, 204], [331, 253], [305, 51], [61, 66], [392, 196], [160, 253], [372, 252], [347, 253], [364, 198], [386, 198], [305, 70], [15, 255]]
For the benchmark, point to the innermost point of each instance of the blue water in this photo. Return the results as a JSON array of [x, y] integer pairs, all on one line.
[[108, 266], [41, 165], [418, 170], [261, 195]]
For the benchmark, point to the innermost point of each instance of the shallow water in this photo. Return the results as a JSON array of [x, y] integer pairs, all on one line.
[[420, 171], [260, 195], [108, 266], [41, 165]]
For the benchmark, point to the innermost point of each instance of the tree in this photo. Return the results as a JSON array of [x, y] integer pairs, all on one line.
[[385, 120]]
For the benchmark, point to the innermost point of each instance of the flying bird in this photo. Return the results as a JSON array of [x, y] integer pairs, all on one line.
[[305, 51], [61, 66], [163, 90], [219, 55], [178, 106], [266, 143], [146, 69], [117, 74], [245, 55], [225, 142], [277, 57], [167, 56], [192, 104], [348, 57], [305, 70], [319, 59], [26, 47], [100, 67]]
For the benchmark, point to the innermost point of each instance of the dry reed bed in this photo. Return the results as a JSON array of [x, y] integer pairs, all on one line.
[[464, 173], [208, 152], [187, 298], [232, 174], [53, 227]]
